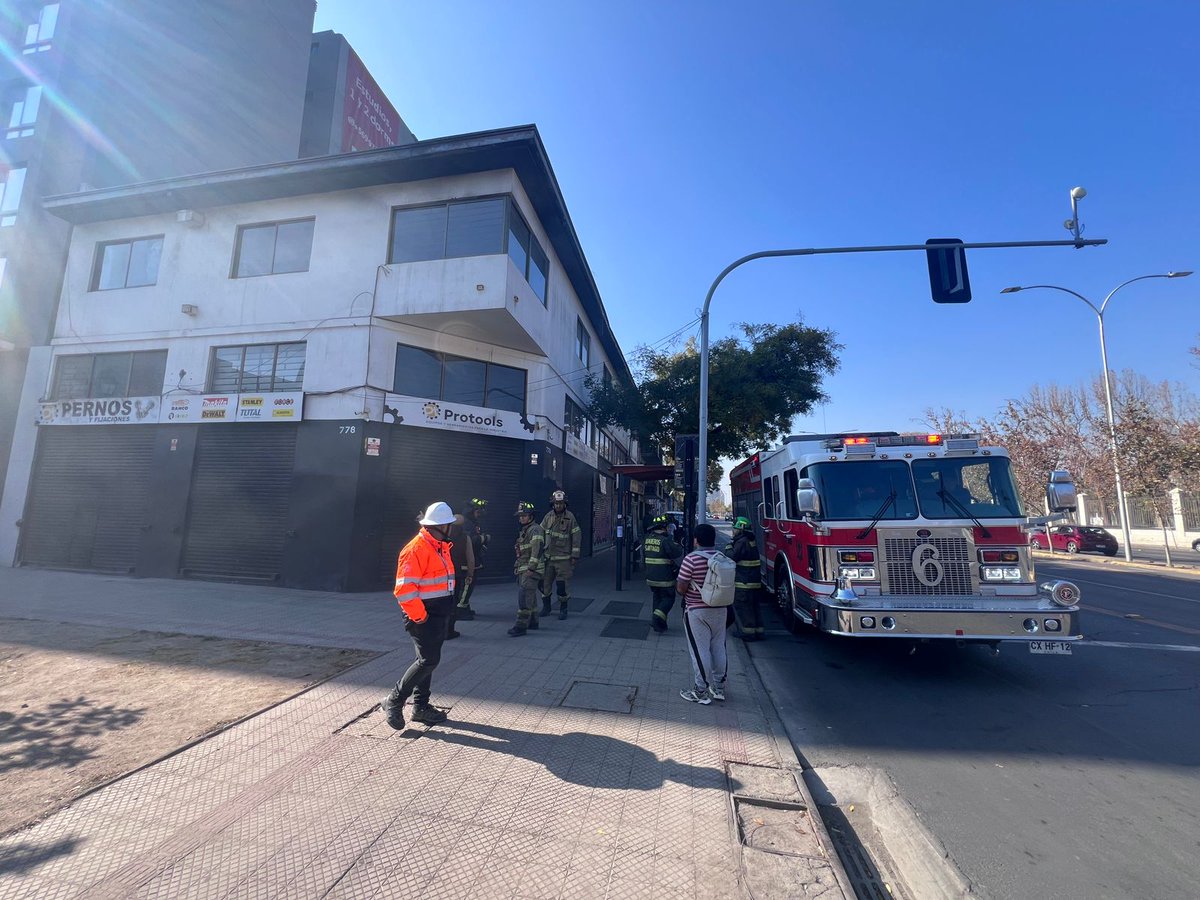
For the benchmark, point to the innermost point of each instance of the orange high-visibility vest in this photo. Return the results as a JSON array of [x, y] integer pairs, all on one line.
[[423, 571]]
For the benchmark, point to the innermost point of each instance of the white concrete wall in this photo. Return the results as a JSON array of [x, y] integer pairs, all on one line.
[[20, 465]]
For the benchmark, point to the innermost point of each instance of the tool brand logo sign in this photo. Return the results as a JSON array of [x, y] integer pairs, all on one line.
[[927, 568], [103, 411], [426, 413], [233, 408]]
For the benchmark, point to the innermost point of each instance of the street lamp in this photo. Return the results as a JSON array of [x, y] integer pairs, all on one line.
[[1108, 404]]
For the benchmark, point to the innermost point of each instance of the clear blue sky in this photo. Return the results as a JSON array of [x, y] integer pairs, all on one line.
[[686, 134]]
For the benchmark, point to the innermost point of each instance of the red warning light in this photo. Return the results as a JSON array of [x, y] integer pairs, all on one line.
[[856, 440], [933, 438]]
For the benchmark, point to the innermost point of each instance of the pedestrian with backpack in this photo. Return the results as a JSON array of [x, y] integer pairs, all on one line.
[[706, 584]]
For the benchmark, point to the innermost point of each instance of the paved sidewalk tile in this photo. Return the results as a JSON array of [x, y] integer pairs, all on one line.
[[517, 795]]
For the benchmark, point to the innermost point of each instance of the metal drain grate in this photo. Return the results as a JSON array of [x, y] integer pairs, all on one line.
[[575, 604], [629, 629], [864, 876], [629, 609]]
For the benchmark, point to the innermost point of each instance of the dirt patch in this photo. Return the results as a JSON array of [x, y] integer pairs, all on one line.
[[80, 705]]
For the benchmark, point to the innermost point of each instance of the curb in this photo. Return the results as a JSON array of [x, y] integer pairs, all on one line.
[[1186, 569]]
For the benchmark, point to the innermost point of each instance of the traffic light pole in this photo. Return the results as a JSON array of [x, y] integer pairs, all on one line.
[[702, 461]]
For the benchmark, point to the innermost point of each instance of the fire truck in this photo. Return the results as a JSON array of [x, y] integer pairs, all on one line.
[[904, 536]]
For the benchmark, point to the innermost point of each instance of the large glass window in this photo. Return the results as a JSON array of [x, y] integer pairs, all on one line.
[[858, 490], [577, 422], [456, 379], [526, 253], [121, 264], [94, 375], [39, 34], [273, 248], [10, 195], [257, 368], [23, 112], [583, 343], [959, 488]]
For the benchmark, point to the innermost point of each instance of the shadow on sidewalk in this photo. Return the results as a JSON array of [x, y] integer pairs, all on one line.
[[20, 859], [591, 760], [46, 739]]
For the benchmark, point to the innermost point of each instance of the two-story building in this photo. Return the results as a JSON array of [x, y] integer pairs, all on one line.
[[266, 373]]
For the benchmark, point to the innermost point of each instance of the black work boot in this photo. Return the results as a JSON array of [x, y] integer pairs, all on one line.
[[545, 606], [517, 631], [562, 611], [465, 614], [393, 711], [533, 625], [428, 715]]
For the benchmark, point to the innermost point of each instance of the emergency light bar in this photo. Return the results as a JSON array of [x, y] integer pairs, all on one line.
[[958, 442]]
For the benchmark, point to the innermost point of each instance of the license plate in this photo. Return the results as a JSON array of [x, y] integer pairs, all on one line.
[[1062, 648]]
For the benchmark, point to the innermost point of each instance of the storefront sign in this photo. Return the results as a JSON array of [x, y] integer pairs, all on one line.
[[426, 413], [582, 451], [233, 408], [101, 411]]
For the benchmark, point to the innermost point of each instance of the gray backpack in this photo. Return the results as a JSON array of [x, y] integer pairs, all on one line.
[[718, 586]]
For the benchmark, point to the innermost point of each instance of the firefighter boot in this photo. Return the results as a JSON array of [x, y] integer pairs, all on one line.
[[562, 607], [533, 622], [545, 604], [518, 631]]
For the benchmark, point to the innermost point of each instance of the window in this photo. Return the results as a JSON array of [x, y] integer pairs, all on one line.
[[95, 375], [10, 195], [257, 368], [954, 488], [583, 343], [273, 248], [39, 34], [455, 379], [469, 228], [24, 111], [578, 424], [121, 264], [769, 498], [790, 484]]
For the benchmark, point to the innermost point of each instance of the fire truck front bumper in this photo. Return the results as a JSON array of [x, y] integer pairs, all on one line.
[[950, 618]]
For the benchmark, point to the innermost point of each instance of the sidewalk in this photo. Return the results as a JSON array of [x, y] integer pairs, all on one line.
[[570, 767]]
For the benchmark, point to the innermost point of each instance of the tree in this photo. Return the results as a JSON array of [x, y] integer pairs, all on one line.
[[759, 381]]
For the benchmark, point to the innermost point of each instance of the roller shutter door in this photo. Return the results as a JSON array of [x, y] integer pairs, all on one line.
[[88, 497], [603, 511], [238, 505], [426, 465], [579, 481]]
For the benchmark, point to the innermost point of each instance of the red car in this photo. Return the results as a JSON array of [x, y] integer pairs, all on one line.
[[1073, 538]]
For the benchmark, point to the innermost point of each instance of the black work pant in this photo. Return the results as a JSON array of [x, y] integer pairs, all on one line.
[[745, 609], [664, 600], [427, 638]]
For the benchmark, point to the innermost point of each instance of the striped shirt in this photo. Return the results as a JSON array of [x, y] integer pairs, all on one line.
[[694, 569]]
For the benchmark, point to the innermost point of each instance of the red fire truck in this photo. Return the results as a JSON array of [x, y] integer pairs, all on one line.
[[911, 536]]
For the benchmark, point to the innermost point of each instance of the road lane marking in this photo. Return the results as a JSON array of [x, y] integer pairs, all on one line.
[[1183, 648], [1157, 624], [1136, 590]]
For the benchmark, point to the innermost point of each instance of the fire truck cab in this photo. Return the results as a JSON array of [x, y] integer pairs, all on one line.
[[914, 536]]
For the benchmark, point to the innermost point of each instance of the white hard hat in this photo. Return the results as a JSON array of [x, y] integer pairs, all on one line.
[[438, 514]]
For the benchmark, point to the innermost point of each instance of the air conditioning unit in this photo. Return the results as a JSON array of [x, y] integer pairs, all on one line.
[[190, 218]]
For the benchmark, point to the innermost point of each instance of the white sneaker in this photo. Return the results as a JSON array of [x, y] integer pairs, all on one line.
[[717, 693], [694, 696]]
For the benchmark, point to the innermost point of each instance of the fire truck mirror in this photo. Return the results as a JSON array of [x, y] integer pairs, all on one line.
[[807, 500], [1060, 492]]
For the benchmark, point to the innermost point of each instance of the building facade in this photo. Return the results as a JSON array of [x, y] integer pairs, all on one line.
[[265, 374], [125, 91]]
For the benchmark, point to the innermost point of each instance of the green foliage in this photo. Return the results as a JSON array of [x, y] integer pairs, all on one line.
[[759, 380]]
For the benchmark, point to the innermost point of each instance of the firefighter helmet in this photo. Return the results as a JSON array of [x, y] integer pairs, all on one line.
[[558, 497], [741, 522], [660, 521], [475, 503], [524, 508]]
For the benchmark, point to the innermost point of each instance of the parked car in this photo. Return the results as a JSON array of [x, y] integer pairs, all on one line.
[[1074, 538], [1196, 545]]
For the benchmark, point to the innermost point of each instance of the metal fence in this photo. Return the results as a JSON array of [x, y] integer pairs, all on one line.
[[1142, 513], [1191, 511]]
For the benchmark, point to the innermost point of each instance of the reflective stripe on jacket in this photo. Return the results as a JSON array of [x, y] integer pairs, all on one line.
[[563, 537], [744, 552], [424, 571], [529, 546], [662, 556]]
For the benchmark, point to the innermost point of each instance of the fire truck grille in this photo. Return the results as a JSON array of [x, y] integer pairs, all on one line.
[[949, 571]]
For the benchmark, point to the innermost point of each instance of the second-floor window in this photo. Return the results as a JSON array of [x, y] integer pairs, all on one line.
[[122, 264], [456, 379], [469, 228], [256, 368], [583, 343], [39, 34], [273, 248], [577, 422], [92, 375], [23, 112], [10, 195]]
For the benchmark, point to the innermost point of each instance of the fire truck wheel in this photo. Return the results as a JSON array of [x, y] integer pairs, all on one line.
[[783, 591]]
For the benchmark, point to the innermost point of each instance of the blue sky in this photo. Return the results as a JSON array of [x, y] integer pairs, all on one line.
[[686, 134]]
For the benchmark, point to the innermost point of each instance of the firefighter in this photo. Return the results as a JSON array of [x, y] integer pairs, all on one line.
[[463, 558], [563, 539], [477, 539], [425, 592], [661, 557], [529, 568], [747, 580]]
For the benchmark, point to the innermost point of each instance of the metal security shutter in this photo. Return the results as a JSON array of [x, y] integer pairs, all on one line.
[[426, 465], [88, 497], [238, 506], [603, 511], [579, 481]]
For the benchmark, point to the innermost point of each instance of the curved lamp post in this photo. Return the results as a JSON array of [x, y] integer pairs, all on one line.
[[1108, 403]]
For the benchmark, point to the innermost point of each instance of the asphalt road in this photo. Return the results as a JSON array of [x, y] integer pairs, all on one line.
[[1180, 556], [1044, 776]]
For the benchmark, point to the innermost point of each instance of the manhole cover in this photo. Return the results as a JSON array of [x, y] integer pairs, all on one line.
[[601, 696], [763, 783], [629, 629], [628, 608]]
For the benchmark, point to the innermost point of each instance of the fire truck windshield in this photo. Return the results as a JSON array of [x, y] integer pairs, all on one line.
[[982, 487], [856, 490]]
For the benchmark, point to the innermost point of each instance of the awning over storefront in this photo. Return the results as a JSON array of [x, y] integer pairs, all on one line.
[[646, 473]]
